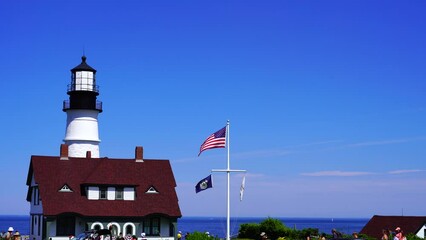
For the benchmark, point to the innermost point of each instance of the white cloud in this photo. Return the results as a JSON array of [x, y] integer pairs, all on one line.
[[406, 171], [261, 154], [374, 143], [315, 143], [386, 142], [336, 174]]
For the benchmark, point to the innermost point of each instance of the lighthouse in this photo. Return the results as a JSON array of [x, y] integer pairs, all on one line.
[[82, 109]]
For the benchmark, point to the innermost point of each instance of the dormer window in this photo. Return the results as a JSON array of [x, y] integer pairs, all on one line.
[[125, 193], [151, 190], [65, 188]]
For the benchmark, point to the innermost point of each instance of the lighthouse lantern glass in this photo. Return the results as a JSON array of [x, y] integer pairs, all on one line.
[[83, 81]]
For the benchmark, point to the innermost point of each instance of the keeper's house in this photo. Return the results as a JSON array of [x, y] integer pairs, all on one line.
[[409, 225], [79, 191]]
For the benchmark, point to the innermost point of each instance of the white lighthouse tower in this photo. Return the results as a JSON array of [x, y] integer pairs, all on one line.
[[82, 108]]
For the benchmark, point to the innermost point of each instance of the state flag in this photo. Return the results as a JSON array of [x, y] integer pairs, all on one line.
[[204, 184]]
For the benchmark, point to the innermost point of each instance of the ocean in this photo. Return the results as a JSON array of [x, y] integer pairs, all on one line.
[[216, 226]]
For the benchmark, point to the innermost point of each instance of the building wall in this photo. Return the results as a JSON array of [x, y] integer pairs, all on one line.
[[36, 212], [36, 204], [120, 226]]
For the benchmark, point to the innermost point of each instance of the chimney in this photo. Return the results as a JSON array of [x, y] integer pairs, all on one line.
[[139, 154], [88, 154], [64, 152]]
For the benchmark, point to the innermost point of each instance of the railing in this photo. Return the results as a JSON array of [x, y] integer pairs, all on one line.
[[67, 105], [83, 87]]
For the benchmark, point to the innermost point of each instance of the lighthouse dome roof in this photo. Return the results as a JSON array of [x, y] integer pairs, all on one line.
[[83, 66]]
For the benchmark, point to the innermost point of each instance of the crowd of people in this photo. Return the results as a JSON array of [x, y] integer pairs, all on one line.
[[398, 235], [11, 234]]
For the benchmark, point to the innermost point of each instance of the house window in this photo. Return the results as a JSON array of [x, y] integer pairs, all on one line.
[[119, 193], [36, 196], [151, 190], [102, 193], [65, 188], [156, 226], [151, 226], [32, 224], [129, 229], [39, 225]]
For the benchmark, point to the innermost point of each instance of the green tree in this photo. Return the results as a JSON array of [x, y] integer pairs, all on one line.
[[249, 230], [274, 228]]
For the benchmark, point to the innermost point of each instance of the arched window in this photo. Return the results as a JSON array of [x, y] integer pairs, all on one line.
[[114, 227], [97, 226], [129, 229]]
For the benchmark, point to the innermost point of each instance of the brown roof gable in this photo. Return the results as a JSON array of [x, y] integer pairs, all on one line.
[[51, 174], [377, 223]]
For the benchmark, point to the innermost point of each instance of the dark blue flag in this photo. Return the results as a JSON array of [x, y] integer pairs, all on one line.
[[204, 184]]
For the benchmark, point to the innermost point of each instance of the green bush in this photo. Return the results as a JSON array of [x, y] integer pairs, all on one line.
[[200, 236], [274, 228], [413, 236], [249, 230]]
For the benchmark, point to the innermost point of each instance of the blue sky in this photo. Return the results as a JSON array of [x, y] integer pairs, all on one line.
[[326, 99]]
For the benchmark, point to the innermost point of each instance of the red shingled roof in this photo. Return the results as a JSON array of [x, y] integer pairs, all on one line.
[[51, 174], [377, 223]]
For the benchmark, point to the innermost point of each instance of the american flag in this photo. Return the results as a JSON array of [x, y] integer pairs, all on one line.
[[216, 140]]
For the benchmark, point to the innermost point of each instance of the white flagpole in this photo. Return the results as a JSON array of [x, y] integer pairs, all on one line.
[[228, 171], [228, 210]]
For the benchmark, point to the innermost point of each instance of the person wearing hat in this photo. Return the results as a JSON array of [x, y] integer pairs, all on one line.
[[179, 235], [17, 236], [9, 234]]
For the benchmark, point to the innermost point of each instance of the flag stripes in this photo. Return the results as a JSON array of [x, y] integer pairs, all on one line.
[[216, 140]]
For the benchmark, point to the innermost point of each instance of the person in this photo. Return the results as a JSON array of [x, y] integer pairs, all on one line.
[[336, 234], [308, 236], [385, 234], [186, 235], [179, 235], [399, 234], [323, 236], [143, 235], [9, 234], [263, 236], [17, 236], [355, 235]]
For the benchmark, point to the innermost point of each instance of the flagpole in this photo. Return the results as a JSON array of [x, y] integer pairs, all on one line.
[[228, 210], [228, 171]]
